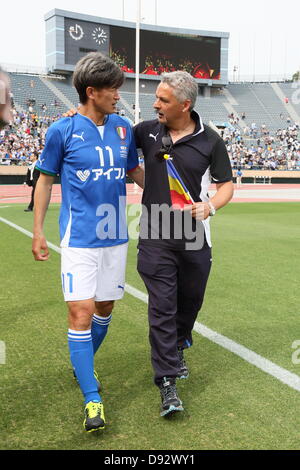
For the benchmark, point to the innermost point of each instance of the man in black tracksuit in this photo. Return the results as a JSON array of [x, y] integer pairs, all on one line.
[[175, 263], [32, 177]]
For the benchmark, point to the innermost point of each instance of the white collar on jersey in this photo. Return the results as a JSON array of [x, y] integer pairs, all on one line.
[[201, 124]]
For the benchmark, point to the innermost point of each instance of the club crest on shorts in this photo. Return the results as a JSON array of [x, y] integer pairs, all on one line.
[[121, 132]]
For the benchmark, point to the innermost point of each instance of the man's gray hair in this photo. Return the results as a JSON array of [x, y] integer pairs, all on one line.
[[98, 71], [184, 86]]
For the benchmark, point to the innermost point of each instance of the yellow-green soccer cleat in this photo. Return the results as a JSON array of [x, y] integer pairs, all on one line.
[[94, 416]]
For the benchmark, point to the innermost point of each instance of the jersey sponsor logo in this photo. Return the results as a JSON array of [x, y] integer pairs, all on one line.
[[154, 136], [76, 136], [121, 132], [110, 174], [83, 175], [41, 160]]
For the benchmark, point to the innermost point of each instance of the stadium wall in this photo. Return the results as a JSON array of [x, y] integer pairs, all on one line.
[[17, 174], [14, 174]]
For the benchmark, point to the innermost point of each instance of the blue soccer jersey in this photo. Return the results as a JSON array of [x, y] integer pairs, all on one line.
[[92, 166]]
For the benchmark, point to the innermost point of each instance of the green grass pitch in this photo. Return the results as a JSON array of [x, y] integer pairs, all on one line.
[[252, 298]]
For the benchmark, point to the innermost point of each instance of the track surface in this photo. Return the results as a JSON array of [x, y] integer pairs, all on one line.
[[10, 194]]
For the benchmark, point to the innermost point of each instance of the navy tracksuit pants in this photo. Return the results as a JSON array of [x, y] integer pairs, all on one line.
[[176, 282]]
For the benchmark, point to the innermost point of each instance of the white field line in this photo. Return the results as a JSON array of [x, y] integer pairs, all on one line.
[[283, 375], [13, 198], [26, 232]]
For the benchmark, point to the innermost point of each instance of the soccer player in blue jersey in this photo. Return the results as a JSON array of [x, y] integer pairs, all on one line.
[[92, 151]]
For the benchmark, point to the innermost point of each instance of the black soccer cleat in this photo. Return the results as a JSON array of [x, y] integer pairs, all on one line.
[[170, 401], [183, 372]]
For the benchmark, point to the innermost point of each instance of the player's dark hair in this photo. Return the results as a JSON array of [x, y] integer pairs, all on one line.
[[98, 71]]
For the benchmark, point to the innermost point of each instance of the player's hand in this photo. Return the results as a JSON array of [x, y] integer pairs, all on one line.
[[40, 248], [199, 210], [70, 113]]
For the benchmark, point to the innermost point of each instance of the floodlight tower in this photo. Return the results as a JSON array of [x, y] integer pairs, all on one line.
[[137, 63]]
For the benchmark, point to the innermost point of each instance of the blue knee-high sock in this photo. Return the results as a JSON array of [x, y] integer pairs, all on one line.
[[82, 359], [99, 330]]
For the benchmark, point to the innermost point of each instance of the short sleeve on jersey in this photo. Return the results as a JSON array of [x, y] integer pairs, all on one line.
[[220, 167], [132, 159], [51, 158]]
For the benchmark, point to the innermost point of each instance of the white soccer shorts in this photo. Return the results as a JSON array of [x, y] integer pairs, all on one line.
[[93, 273]]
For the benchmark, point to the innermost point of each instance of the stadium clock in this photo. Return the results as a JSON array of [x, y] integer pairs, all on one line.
[[99, 35], [76, 32]]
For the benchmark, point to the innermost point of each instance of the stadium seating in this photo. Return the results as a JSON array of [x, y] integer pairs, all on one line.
[[292, 92], [31, 87], [212, 108], [258, 100], [260, 104], [65, 87]]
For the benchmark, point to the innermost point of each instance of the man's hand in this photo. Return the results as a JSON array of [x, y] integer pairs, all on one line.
[[42, 198], [40, 248], [70, 113], [199, 210]]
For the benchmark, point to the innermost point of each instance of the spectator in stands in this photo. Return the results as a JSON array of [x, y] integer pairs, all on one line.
[[253, 130], [12, 99]]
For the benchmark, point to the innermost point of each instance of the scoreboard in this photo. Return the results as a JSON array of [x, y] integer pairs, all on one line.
[[70, 36], [82, 37]]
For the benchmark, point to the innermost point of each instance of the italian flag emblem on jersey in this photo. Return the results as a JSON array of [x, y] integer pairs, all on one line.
[[121, 132]]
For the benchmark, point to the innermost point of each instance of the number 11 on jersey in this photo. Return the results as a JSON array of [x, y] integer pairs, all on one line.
[[101, 156]]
